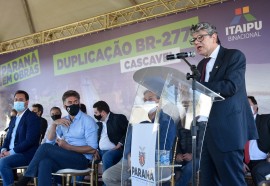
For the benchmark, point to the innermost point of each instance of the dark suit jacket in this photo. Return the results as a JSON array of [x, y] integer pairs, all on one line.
[[230, 123], [43, 127], [116, 128], [263, 127], [27, 135]]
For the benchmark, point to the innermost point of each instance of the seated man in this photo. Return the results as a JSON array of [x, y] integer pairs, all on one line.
[[22, 139], [38, 109], [76, 138], [256, 150], [111, 134], [112, 176], [184, 152]]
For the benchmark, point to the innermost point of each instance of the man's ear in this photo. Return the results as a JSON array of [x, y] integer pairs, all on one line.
[[215, 37]]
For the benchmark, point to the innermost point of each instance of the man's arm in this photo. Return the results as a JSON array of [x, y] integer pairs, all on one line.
[[51, 135], [90, 133], [80, 149], [123, 124]]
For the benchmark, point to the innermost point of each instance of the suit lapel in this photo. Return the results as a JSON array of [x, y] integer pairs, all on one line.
[[218, 63], [258, 121], [110, 120]]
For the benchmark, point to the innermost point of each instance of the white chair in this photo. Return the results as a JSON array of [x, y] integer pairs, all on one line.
[[68, 173]]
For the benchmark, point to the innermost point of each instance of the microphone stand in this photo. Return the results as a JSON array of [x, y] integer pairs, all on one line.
[[193, 76]]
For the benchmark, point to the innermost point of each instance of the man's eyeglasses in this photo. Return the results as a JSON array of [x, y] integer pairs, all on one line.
[[199, 38]]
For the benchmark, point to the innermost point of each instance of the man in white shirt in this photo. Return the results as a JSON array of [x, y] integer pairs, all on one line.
[[111, 134]]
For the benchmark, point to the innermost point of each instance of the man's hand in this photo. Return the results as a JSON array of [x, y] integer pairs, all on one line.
[[62, 143], [96, 155], [5, 153], [2, 154], [187, 157], [179, 157], [117, 146], [62, 121], [245, 168]]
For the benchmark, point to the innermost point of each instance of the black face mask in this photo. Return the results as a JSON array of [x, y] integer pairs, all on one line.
[[98, 117], [56, 116], [73, 109]]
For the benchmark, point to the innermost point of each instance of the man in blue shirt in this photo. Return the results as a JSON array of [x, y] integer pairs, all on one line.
[[76, 139], [22, 138]]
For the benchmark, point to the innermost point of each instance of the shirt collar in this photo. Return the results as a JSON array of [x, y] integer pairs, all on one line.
[[107, 118], [21, 115], [215, 52], [255, 115], [78, 116]]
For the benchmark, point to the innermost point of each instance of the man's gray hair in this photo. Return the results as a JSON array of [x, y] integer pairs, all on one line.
[[210, 29]]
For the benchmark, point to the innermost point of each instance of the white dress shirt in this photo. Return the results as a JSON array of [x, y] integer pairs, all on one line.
[[104, 142], [210, 64]]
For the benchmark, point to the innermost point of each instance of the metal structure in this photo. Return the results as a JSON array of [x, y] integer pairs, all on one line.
[[134, 14]]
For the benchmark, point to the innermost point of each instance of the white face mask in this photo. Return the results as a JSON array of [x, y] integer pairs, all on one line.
[[150, 106], [149, 102]]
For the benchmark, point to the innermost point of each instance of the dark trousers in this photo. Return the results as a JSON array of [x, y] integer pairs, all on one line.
[[220, 168], [259, 171], [51, 158]]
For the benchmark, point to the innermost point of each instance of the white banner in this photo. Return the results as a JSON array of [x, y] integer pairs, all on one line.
[[147, 60], [143, 154]]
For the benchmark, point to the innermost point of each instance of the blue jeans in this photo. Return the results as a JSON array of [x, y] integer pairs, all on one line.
[[6, 165], [110, 157], [51, 158], [186, 174]]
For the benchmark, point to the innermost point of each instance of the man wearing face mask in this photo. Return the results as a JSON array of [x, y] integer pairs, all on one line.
[[38, 109], [111, 134], [121, 171], [76, 138], [257, 159], [22, 138]]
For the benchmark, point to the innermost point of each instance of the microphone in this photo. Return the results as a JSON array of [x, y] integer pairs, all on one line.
[[180, 55]]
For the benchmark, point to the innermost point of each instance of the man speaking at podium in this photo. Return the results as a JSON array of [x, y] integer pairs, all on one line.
[[230, 123]]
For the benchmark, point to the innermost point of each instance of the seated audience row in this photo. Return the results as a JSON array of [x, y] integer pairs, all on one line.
[[79, 138]]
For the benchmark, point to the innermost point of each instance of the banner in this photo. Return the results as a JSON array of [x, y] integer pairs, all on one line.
[[100, 66], [143, 154]]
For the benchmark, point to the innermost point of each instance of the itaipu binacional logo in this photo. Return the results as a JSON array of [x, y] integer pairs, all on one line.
[[249, 29], [142, 156]]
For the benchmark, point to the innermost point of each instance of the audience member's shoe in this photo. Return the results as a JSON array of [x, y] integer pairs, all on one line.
[[23, 181]]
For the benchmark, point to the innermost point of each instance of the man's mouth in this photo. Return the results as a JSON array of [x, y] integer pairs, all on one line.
[[199, 47]]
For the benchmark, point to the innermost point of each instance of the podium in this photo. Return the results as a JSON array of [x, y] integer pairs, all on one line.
[[151, 144]]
